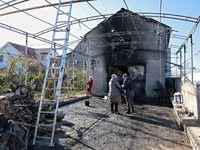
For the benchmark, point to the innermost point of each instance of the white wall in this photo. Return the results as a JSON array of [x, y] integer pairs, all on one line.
[[9, 52], [191, 97]]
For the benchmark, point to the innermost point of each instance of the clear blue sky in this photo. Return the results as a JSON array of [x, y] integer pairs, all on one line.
[[81, 10]]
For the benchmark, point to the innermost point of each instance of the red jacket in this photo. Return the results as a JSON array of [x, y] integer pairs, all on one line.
[[90, 82]]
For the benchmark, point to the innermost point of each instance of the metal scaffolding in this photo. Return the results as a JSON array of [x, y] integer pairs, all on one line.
[[105, 17], [189, 36]]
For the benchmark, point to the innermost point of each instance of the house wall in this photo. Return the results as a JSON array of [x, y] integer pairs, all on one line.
[[154, 69], [43, 58], [191, 97], [78, 59], [152, 56], [150, 53], [9, 52]]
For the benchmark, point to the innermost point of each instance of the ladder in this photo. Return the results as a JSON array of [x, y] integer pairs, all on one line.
[[56, 66]]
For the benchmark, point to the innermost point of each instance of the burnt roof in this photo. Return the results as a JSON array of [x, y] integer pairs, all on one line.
[[146, 18], [122, 10]]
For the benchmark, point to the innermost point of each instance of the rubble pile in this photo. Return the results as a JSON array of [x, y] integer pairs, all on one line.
[[13, 136], [18, 115], [18, 107]]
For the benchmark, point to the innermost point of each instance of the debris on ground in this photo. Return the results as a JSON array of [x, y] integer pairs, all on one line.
[[18, 107], [12, 135], [23, 112], [187, 112]]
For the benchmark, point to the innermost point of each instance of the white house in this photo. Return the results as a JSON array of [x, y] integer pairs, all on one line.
[[10, 50], [43, 55]]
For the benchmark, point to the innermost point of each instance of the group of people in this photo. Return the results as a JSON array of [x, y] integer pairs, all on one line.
[[115, 91], [116, 84]]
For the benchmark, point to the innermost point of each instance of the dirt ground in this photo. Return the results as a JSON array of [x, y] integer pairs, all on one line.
[[151, 127]]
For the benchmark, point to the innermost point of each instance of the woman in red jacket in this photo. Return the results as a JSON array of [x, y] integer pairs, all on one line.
[[90, 82]]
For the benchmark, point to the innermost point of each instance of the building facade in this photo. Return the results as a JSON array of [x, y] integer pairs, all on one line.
[[128, 42]]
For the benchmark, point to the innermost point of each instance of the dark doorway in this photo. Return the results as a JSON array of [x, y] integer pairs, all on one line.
[[138, 75], [114, 70], [136, 72]]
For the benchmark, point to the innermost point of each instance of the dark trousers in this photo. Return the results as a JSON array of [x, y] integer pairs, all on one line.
[[130, 104], [116, 107]]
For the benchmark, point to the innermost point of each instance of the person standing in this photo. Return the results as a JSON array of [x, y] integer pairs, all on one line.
[[90, 83], [130, 92], [114, 93], [119, 77], [121, 81]]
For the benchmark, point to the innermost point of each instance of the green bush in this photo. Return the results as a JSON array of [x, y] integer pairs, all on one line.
[[79, 79]]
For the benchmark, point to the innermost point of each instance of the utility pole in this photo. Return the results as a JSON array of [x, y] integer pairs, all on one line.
[[184, 63], [180, 64], [54, 81], [68, 75], [26, 65], [191, 59], [73, 71]]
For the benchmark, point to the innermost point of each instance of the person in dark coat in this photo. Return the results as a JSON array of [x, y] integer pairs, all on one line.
[[119, 77], [114, 93], [90, 83], [129, 94]]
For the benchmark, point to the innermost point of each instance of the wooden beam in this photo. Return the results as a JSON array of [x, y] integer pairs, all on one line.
[[38, 7]]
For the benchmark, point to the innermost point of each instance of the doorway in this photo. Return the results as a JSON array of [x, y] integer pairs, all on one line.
[[114, 70], [138, 75], [136, 72]]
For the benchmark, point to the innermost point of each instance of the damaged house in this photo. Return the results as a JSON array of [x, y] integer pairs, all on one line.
[[128, 42]]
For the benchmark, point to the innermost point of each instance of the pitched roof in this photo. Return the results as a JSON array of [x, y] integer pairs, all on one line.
[[31, 52], [119, 13], [20, 48], [146, 18]]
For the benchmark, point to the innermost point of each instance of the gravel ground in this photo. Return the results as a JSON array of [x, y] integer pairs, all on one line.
[[151, 127]]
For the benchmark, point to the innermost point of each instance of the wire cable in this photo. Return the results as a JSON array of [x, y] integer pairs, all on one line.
[[134, 24], [30, 15], [106, 20], [191, 14], [38, 18], [138, 5], [104, 6], [145, 14], [8, 5], [197, 53], [63, 12]]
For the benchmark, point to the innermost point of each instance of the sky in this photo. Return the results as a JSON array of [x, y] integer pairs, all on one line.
[[29, 23]]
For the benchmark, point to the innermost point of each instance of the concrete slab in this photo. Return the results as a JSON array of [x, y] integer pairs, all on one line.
[[189, 124], [182, 119], [194, 135]]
